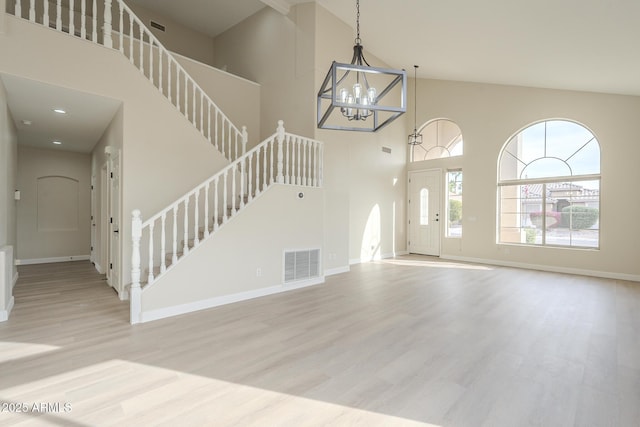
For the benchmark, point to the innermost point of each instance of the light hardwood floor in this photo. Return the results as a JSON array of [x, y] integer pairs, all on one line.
[[407, 341]]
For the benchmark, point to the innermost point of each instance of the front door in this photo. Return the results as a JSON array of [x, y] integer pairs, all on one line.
[[424, 212]]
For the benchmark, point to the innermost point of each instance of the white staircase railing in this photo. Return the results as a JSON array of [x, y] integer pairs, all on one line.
[[113, 24], [160, 242]]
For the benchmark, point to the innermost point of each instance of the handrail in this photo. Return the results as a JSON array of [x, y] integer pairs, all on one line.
[[179, 69], [282, 158]]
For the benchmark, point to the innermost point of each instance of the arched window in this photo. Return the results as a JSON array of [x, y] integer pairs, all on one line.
[[549, 186], [442, 138]]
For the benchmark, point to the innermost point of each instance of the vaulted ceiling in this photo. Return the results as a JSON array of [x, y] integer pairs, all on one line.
[[589, 45]]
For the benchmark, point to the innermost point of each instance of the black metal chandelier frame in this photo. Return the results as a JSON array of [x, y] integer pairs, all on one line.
[[360, 109]]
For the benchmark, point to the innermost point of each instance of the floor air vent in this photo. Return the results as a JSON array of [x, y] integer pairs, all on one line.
[[301, 265]]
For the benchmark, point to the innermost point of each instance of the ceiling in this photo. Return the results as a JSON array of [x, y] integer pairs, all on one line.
[[589, 45], [87, 116]]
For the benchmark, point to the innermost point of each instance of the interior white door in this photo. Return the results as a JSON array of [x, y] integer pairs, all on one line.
[[93, 219], [114, 221], [103, 221], [424, 212]]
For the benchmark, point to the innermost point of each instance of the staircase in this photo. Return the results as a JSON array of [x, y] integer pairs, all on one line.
[[161, 242], [112, 24], [169, 236]]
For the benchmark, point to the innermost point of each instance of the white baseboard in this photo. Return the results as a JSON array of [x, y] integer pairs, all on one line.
[[337, 270], [123, 295], [354, 261], [98, 268], [394, 254], [550, 268], [15, 280], [4, 314], [54, 259], [161, 313]]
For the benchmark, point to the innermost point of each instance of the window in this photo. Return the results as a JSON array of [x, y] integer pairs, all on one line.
[[454, 203], [442, 138], [549, 186]]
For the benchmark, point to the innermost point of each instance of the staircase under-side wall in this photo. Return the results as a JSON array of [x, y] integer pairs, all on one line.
[[166, 239], [166, 247]]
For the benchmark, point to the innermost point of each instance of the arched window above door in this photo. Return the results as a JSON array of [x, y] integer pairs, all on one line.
[[441, 138]]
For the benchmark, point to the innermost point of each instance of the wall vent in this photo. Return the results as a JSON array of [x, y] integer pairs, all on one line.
[[157, 26], [386, 150], [301, 265]]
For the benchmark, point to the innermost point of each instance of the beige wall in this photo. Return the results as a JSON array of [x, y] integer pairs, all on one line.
[[153, 133], [177, 38], [289, 56], [488, 116], [112, 138], [55, 206], [8, 171], [8, 231], [238, 98], [227, 263], [275, 51], [365, 186], [3, 6]]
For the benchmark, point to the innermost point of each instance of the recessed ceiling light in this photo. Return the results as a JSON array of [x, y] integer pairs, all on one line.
[[59, 111], [57, 142], [26, 122]]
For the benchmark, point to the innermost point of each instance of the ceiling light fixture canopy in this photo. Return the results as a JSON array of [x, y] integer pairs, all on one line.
[[415, 138], [352, 90]]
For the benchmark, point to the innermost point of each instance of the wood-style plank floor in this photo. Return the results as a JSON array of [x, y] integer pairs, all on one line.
[[407, 341]]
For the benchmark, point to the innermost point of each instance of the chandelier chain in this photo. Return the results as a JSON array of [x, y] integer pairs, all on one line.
[[358, 40]]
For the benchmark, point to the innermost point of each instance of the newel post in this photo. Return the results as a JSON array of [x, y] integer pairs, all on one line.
[[106, 29], [280, 136], [135, 291]]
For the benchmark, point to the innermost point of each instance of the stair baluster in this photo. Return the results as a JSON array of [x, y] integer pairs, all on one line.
[[72, 27], [163, 250], [58, 15], [94, 28], [290, 157]]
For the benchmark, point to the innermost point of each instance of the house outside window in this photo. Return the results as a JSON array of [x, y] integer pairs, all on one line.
[[549, 186]]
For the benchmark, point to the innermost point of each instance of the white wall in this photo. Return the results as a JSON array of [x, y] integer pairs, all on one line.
[[54, 209], [488, 116]]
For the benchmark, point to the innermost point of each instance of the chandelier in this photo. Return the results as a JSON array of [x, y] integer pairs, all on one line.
[[351, 90], [415, 138]]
